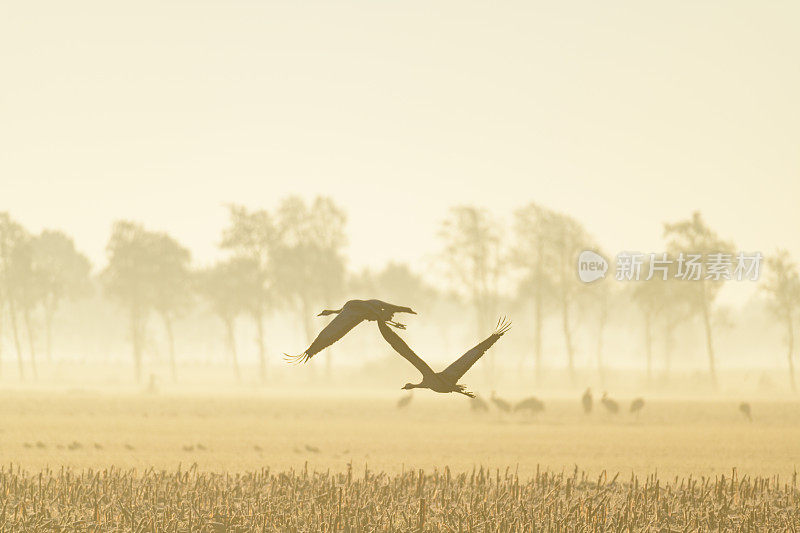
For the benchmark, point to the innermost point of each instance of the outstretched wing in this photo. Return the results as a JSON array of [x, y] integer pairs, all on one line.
[[465, 362], [335, 330], [402, 348]]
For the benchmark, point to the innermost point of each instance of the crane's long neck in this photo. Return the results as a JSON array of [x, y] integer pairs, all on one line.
[[327, 312]]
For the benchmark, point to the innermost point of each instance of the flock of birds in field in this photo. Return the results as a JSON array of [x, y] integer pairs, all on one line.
[[534, 405]]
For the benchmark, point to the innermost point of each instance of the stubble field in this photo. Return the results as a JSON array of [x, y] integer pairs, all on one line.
[[303, 462]]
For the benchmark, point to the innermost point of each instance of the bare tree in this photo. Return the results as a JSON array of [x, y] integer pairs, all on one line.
[[693, 237], [252, 235], [568, 238], [12, 236], [649, 296], [231, 289], [472, 254], [675, 309], [63, 274], [309, 265], [144, 273], [782, 287], [662, 303], [127, 279], [172, 278], [599, 299], [533, 254], [26, 290]]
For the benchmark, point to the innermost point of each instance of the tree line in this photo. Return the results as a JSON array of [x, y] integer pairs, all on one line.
[[293, 259]]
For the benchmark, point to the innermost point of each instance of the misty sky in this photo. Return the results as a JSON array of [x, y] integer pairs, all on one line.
[[622, 114]]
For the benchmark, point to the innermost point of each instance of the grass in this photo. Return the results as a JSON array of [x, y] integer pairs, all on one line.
[[482, 500], [312, 463], [246, 432]]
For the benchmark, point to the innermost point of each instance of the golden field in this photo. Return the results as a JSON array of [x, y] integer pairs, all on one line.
[[244, 431], [291, 461]]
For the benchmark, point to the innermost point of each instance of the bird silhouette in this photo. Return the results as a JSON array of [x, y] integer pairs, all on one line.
[[500, 403], [587, 401], [446, 380], [533, 405], [636, 406], [744, 408], [404, 400], [610, 405], [351, 314], [478, 404]]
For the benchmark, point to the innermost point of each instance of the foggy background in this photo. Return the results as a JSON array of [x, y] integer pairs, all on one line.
[[360, 130], [150, 315]]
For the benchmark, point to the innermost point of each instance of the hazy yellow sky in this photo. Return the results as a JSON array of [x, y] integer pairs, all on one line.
[[624, 114]]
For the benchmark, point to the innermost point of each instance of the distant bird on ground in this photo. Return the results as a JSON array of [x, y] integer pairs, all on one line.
[[636, 406], [478, 404], [349, 316], [533, 405], [446, 380], [744, 408], [500, 403], [610, 405], [405, 400], [587, 402]]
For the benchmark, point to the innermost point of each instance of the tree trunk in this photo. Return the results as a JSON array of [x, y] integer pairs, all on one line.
[[1, 333], [262, 356], [308, 328], [538, 334], [709, 341], [669, 329], [136, 341], [48, 332], [480, 323], [648, 341], [600, 331], [31, 342], [232, 347], [790, 342], [171, 342], [12, 313], [568, 337]]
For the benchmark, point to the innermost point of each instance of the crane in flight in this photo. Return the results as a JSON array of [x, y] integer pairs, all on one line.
[[446, 380], [351, 314]]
